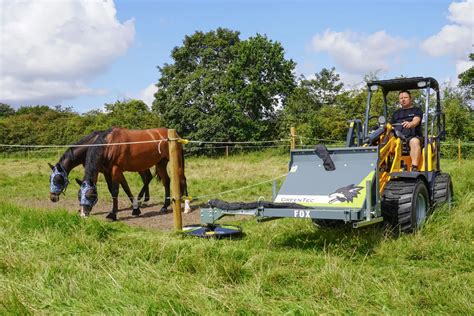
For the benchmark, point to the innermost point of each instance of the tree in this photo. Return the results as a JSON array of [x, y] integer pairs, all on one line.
[[36, 110], [35, 125], [466, 81], [300, 111], [326, 86], [94, 120], [6, 110], [331, 123], [303, 109], [224, 89], [133, 114], [459, 121]]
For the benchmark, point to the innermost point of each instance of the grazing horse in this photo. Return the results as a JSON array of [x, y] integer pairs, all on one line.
[[76, 155], [128, 150]]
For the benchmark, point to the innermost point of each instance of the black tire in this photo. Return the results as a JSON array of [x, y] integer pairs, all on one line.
[[328, 223], [405, 204], [443, 190]]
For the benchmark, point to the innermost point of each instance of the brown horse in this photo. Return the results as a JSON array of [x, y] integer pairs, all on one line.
[[76, 155], [128, 150]]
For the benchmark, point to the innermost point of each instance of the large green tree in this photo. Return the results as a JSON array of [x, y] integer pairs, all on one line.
[[223, 88]]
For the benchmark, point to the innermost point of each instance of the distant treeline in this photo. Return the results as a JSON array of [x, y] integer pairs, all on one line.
[[42, 125], [222, 88]]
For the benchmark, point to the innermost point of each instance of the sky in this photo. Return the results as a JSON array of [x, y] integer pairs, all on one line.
[[83, 54]]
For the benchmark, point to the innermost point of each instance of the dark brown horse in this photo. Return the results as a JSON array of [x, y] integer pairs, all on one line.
[[128, 150], [76, 155]]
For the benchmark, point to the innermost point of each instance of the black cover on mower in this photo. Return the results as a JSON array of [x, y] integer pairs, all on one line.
[[322, 152], [233, 206]]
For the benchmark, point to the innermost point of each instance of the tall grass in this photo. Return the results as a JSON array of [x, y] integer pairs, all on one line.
[[52, 261]]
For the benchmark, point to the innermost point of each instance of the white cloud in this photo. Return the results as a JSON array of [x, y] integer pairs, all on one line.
[[462, 12], [454, 40], [358, 54], [147, 95], [43, 91], [51, 49], [463, 65], [352, 81]]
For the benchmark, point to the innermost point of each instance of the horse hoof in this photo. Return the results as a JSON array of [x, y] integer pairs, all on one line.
[[111, 216], [136, 212], [146, 199], [164, 210]]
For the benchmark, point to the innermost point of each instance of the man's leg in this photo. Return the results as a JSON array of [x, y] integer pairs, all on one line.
[[415, 151]]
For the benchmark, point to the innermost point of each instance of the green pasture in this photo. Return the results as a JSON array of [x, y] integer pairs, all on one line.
[[54, 262]]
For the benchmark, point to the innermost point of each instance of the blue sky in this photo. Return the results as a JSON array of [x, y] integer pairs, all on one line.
[[87, 53]]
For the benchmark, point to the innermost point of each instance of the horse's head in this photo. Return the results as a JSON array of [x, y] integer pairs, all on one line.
[[58, 182], [87, 196]]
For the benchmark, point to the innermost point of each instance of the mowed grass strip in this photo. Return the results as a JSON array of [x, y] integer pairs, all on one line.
[[57, 262]]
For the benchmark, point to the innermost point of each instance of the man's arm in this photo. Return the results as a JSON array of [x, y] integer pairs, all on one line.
[[414, 123]]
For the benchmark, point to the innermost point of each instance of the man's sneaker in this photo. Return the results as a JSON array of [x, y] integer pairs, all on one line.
[[414, 168]]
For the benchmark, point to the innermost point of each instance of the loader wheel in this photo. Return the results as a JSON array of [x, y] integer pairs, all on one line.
[[328, 223], [443, 190], [405, 204]]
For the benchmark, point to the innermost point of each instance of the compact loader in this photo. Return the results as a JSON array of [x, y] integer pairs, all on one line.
[[406, 198], [366, 182]]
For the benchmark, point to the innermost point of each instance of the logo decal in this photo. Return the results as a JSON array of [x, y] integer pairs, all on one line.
[[345, 194]]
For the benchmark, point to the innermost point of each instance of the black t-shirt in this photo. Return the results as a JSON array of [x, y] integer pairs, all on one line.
[[402, 115]]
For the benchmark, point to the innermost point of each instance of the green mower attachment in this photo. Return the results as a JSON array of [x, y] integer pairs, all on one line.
[[347, 194]]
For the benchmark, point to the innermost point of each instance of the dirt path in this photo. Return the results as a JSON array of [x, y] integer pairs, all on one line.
[[150, 217]]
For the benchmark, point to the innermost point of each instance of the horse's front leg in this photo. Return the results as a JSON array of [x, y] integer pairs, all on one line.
[[110, 186], [165, 180], [136, 210], [116, 177], [115, 190]]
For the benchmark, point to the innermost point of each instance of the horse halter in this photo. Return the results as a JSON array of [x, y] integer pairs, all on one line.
[[84, 201], [54, 188]]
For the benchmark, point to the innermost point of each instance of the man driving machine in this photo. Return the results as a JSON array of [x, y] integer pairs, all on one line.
[[409, 119]]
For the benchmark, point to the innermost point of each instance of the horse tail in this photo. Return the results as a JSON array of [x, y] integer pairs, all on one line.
[[182, 156], [157, 174], [184, 183]]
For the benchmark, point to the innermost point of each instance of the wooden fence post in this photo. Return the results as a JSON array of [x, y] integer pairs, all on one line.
[[293, 138], [227, 151], [175, 188]]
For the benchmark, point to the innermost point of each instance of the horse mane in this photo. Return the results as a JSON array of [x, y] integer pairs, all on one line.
[[87, 138], [69, 153], [94, 155]]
